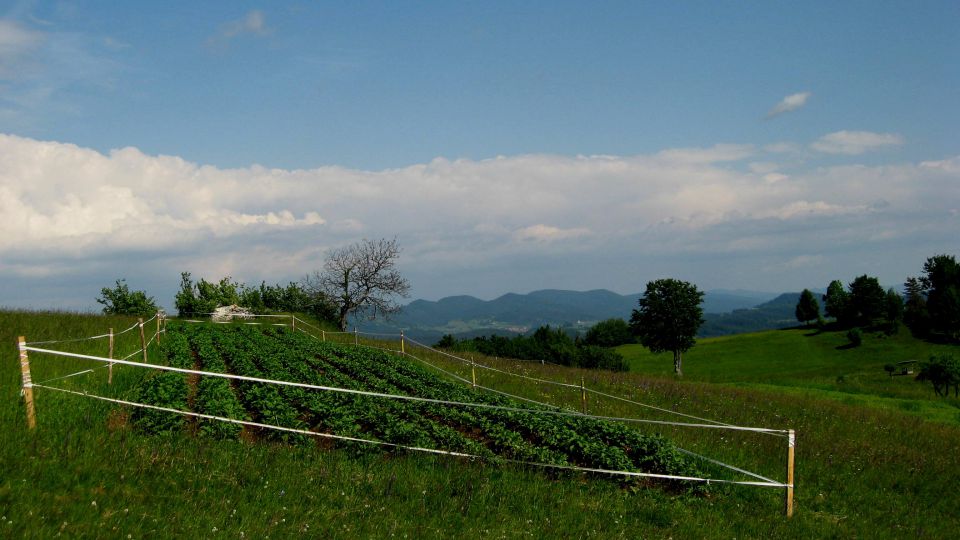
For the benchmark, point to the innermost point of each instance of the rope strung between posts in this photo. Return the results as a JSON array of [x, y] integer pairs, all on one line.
[[714, 423], [575, 468], [101, 336], [577, 386], [386, 396]]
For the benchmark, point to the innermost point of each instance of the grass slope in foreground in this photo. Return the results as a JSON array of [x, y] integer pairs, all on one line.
[[861, 472]]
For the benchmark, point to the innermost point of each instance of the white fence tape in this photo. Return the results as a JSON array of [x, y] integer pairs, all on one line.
[[383, 395], [766, 483]]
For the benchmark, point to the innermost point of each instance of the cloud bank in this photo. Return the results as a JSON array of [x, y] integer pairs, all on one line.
[[579, 222]]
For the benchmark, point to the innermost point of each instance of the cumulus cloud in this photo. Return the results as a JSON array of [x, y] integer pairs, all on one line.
[[789, 104], [855, 142], [69, 210]]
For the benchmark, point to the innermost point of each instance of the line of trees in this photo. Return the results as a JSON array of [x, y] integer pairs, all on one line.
[[549, 344], [930, 306], [202, 297], [358, 279]]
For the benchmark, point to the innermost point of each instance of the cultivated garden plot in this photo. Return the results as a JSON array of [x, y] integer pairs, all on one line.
[[425, 413], [267, 383]]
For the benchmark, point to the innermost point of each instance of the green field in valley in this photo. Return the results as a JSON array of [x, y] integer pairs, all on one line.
[[862, 470], [807, 361]]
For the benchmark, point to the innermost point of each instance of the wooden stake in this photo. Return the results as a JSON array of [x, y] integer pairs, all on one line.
[[323, 335], [158, 328], [583, 394], [27, 382], [110, 356], [473, 372], [293, 322], [403, 349], [143, 340], [355, 336], [788, 495]]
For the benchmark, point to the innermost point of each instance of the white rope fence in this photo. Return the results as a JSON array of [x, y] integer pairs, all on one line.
[[764, 482], [767, 481], [552, 410], [389, 396]]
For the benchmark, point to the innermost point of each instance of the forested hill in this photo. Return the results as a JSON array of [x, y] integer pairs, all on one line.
[[467, 316], [777, 313]]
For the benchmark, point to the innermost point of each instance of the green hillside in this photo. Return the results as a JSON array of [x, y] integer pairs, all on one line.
[[87, 472], [805, 360]]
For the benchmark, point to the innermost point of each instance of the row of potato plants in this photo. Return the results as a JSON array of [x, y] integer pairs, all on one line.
[[165, 388], [559, 439], [279, 354]]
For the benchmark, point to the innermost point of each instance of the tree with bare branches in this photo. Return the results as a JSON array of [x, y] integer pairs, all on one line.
[[360, 279]]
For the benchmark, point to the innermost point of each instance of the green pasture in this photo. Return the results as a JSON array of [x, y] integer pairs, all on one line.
[[799, 358]]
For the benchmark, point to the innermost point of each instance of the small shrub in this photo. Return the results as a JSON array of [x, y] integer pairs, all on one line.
[[120, 300], [855, 335]]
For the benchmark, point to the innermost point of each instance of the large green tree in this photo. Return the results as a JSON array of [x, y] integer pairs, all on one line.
[[835, 302], [933, 299], [668, 318], [941, 282], [867, 299], [808, 309]]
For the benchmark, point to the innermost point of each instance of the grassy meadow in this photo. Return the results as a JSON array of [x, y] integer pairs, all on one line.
[[805, 361], [862, 470]]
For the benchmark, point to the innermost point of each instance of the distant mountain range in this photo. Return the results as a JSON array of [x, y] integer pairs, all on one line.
[[726, 312]]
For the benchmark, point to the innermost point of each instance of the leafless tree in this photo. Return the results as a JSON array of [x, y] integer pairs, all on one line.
[[361, 279]]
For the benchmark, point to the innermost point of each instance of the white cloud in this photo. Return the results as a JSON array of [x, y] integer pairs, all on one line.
[[69, 210], [855, 142], [812, 209], [547, 233], [789, 103]]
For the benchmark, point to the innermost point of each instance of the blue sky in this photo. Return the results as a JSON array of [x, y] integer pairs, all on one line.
[[508, 145]]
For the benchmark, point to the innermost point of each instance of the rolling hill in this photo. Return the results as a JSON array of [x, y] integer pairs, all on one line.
[[726, 312]]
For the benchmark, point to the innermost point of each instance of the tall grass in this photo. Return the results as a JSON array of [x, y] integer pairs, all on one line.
[[861, 471]]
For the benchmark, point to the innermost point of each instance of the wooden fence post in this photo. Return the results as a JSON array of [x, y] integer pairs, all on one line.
[[293, 323], [158, 328], [143, 340], [356, 336], [403, 349], [583, 394], [788, 495], [110, 356], [473, 371], [323, 335], [27, 382]]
